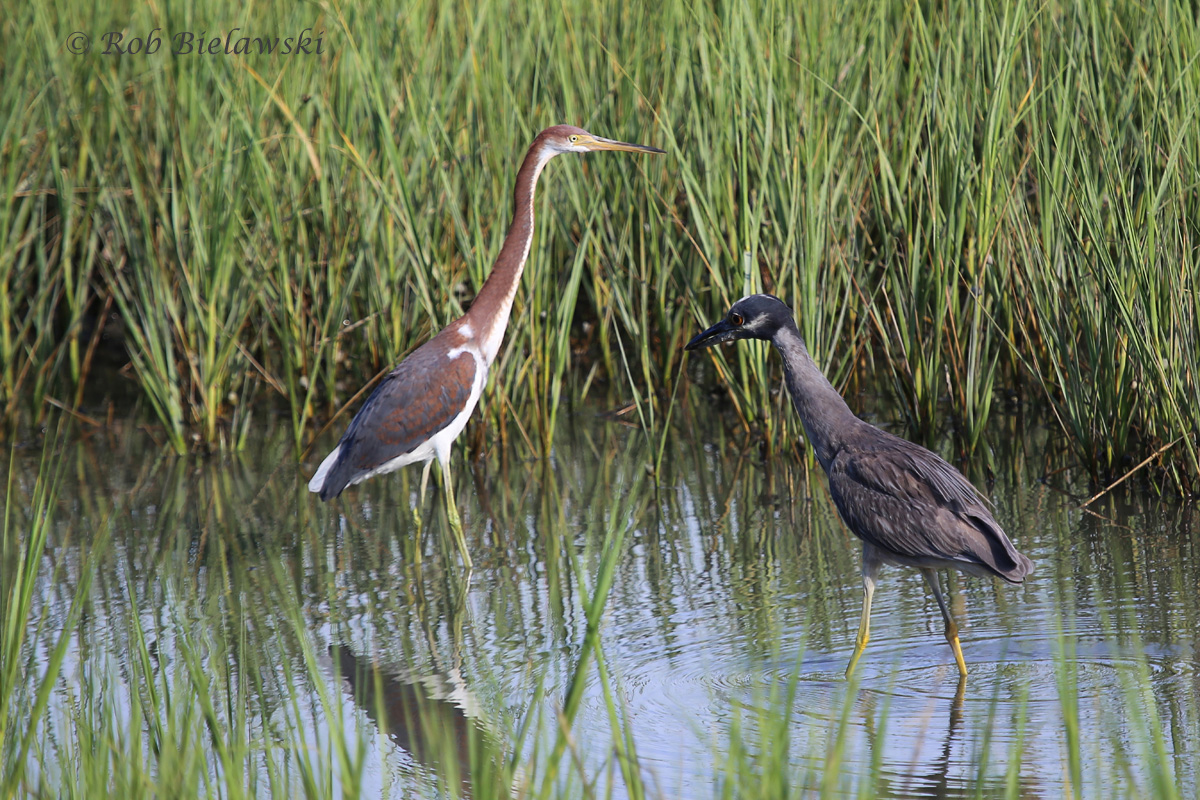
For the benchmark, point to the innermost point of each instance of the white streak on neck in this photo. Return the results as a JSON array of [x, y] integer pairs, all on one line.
[[493, 334]]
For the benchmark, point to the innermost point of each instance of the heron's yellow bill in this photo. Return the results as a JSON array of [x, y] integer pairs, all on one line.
[[600, 143]]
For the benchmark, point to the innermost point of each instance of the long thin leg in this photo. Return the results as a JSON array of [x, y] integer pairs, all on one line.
[[931, 577], [425, 479], [452, 512], [421, 503], [870, 570]]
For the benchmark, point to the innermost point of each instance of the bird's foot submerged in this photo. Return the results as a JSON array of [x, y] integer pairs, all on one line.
[[456, 526], [952, 638], [859, 647]]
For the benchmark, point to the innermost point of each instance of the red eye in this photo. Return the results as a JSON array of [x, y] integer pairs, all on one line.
[[735, 319]]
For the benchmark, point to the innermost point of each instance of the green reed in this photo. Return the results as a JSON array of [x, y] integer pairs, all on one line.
[[31, 650], [1110, 270], [961, 203], [181, 638]]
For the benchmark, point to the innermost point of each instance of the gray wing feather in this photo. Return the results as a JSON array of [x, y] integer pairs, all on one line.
[[906, 500]]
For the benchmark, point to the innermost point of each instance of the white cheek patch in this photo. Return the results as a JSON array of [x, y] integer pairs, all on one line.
[[544, 156]]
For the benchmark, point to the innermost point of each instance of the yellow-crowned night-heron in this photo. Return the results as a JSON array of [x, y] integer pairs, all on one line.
[[908, 506]]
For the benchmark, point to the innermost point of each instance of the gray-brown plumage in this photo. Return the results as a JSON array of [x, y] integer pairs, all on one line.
[[421, 407], [906, 503], [411, 405]]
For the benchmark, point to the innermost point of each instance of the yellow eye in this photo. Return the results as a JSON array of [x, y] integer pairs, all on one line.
[[573, 138], [735, 319]]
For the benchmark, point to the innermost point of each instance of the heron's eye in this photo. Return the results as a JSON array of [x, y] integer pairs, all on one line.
[[573, 138], [735, 319]]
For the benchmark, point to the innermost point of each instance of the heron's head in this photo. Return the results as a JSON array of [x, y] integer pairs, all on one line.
[[569, 139], [757, 316]]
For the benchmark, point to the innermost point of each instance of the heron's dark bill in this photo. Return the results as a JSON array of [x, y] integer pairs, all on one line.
[[721, 332]]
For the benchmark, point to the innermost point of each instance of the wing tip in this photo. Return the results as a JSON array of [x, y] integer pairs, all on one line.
[[1022, 568], [320, 484]]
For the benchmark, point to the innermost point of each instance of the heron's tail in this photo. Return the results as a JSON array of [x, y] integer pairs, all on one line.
[[1002, 557]]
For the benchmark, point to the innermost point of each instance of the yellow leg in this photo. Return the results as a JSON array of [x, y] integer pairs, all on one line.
[[952, 638], [870, 570], [931, 578], [452, 513]]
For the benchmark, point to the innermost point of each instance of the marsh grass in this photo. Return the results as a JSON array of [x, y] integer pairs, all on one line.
[[217, 606], [195, 691], [961, 202]]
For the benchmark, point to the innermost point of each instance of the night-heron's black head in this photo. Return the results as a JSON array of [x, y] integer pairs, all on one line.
[[758, 316]]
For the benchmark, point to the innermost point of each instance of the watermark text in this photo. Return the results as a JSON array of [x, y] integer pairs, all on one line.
[[186, 43]]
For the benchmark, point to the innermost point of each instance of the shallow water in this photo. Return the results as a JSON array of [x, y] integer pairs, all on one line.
[[731, 618]]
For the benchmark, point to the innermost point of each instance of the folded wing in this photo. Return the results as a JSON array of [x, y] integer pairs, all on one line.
[[422, 396], [906, 500]]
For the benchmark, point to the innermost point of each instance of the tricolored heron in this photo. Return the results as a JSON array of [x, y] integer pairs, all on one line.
[[909, 507], [419, 409]]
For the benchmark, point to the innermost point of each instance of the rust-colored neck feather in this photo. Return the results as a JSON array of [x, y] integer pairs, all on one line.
[[488, 315]]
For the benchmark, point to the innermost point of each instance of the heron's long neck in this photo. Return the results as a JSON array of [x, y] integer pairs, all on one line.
[[489, 312], [825, 415]]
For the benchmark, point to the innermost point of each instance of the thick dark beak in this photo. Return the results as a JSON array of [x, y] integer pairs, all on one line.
[[721, 332]]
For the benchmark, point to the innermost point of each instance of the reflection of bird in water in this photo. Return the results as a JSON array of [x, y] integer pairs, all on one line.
[[433, 717], [944, 776], [936, 783], [908, 506], [420, 408]]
